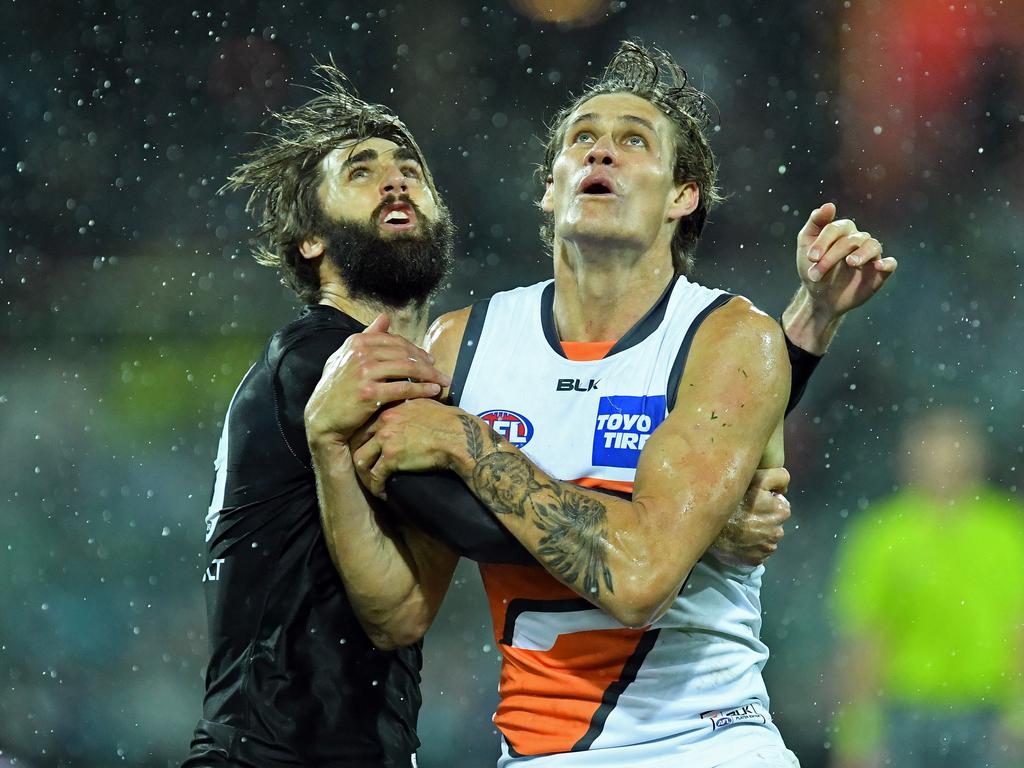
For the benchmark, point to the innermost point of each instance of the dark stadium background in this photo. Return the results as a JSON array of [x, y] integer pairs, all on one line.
[[131, 307]]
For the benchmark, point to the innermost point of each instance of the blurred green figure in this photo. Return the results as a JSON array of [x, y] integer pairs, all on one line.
[[929, 599]]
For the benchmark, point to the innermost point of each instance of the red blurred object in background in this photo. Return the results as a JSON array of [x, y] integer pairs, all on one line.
[[917, 81]]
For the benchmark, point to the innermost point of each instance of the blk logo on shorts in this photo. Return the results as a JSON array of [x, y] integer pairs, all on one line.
[[624, 424], [514, 427], [748, 713]]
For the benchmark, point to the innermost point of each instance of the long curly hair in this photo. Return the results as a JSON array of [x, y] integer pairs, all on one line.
[[652, 74]]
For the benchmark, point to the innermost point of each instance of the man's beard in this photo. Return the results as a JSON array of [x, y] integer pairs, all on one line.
[[396, 271]]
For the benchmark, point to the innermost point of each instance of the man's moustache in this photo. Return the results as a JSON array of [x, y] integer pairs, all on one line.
[[391, 200]]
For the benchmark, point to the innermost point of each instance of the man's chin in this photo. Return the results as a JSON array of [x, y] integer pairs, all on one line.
[[598, 234], [397, 236]]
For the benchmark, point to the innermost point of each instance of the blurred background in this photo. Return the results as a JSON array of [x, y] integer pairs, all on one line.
[[131, 306]]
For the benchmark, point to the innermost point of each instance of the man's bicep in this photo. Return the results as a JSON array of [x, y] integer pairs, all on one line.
[[730, 402]]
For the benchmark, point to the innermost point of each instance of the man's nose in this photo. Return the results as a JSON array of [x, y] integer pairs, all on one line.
[[394, 181], [602, 153]]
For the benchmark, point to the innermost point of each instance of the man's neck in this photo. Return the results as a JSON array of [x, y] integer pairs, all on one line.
[[409, 322], [600, 296]]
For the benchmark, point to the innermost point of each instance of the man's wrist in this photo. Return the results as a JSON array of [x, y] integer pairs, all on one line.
[[810, 324], [480, 441], [328, 446]]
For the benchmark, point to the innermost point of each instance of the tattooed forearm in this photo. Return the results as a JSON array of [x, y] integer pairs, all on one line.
[[574, 525], [576, 534], [476, 442], [505, 482]]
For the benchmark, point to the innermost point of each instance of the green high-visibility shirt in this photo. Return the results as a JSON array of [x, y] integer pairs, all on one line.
[[943, 592]]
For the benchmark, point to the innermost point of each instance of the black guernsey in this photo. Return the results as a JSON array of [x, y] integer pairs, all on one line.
[[293, 680]]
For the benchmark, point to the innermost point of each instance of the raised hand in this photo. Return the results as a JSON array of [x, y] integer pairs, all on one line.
[[840, 266]]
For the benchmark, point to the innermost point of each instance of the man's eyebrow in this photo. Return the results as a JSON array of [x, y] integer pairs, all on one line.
[[406, 153], [359, 157], [628, 118], [639, 121], [583, 118]]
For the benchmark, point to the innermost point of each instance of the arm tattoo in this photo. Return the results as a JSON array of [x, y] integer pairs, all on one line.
[[474, 437], [575, 526], [576, 532]]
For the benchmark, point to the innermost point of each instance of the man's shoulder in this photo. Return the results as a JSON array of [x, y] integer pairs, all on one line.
[[315, 333], [444, 337], [737, 327]]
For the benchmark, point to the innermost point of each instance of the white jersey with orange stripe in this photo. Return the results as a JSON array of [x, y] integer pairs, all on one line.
[[578, 688]]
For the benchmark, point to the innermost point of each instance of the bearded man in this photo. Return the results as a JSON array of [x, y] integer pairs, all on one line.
[[350, 215]]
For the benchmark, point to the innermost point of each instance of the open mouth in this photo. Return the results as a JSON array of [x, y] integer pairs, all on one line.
[[596, 186], [398, 217]]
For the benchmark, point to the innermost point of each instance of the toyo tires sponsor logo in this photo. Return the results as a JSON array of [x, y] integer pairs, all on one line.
[[513, 426], [624, 424]]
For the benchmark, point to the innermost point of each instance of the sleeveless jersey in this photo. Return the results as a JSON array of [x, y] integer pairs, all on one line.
[[578, 688]]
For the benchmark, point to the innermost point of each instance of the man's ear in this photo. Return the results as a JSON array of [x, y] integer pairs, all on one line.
[[685, 199], [312, 249], [546, 203]]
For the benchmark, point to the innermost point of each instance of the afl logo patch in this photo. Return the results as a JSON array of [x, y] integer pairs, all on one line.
[[514, 427]]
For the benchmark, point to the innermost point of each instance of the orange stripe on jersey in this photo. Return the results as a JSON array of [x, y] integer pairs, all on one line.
[[551, 694], [622, 486], [582, 351]]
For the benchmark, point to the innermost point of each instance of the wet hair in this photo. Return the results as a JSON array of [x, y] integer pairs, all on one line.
[[652, 74], [284, 173]]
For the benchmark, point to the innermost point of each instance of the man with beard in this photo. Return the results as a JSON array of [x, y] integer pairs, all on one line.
[[353, 220]]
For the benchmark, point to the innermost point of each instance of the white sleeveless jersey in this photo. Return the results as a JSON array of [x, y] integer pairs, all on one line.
[[578, 688]]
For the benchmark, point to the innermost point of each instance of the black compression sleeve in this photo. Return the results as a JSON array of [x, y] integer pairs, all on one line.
[[803, 364], [440, 504]]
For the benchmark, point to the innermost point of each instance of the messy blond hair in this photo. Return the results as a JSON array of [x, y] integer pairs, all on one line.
[[653, 75]]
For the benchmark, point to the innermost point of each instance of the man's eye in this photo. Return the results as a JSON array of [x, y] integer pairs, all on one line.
[[411, 172], [636, 141], [585, 137], [359, 173]]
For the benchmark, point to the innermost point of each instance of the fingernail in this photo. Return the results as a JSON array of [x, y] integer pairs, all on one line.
[[814, 254], [814, 274]]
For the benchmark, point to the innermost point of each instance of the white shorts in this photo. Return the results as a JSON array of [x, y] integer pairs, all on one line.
[[753, 747], [766, 757]]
